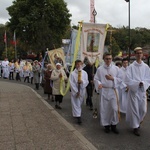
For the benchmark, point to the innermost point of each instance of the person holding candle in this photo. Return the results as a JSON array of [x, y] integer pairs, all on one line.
[[78, 82]]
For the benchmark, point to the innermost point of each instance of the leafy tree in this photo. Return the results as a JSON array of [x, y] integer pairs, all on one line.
[[39, 24]]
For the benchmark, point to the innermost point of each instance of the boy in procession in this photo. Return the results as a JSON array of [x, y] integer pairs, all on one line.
[[78, 82], [107, 80], [123, 89], [138, 81]]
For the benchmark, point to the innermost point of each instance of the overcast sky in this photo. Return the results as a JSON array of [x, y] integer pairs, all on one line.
[[114, 12]]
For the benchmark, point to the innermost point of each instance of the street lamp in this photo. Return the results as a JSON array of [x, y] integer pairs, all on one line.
[[129, 53]]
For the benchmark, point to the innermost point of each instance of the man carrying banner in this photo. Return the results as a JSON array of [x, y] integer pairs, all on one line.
[[78, 83], [106, 82], [90, 70]]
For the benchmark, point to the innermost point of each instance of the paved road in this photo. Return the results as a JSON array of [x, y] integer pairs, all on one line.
[[92, 130], [28, 122]]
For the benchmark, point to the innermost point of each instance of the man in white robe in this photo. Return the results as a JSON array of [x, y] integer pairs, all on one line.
[[78, 89], [5, 68], [123, 89], [138, 81], [106, 82]]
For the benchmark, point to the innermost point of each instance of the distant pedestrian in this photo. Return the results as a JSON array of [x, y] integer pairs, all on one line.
[[36, 74], [48, 82], [123, 88], [11, 70], [26, 72], [5, 67], [17, 70]]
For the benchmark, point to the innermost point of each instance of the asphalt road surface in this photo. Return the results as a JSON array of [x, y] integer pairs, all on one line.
[[94, 132]]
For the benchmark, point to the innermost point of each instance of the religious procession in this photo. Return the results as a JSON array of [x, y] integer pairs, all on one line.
[[92, 78], [121, 88]]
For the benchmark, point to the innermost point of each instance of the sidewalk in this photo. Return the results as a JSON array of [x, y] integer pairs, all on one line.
[[27, 122]]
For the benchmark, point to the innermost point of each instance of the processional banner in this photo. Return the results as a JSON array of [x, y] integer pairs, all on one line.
[[92, 41], [56, 56]]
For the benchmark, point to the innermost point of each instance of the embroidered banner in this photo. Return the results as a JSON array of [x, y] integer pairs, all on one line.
[[92, 41], [56, 56]]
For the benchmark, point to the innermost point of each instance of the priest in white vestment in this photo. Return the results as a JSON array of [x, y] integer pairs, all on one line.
[[78, 82], [106, 82], [123, 89], [138, 81]]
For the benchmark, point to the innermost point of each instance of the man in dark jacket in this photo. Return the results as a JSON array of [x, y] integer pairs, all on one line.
[[91, 70]]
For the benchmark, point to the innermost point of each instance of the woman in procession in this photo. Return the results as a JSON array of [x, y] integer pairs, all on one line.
[[48, 82], [36, 74], [57, 76]]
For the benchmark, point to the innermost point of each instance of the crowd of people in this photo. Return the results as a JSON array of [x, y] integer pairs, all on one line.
[[121, 87]]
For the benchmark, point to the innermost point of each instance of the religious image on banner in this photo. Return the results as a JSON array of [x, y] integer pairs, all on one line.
[[56, 56], [92, 42]]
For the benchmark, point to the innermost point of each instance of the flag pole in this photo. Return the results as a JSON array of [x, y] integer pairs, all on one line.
[[5, 41], [15, 45]]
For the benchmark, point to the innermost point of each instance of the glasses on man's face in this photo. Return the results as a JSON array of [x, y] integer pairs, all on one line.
[[139, 53], [108, 58]]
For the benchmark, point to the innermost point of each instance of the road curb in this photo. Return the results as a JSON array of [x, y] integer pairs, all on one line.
[[82, 139]]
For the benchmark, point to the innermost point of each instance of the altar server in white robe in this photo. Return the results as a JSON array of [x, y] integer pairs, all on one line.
[[138, 81], [106, 82], [78, 82], [123, 89], [5, 67]]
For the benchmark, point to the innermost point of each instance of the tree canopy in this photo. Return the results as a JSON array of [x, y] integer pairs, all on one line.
[[39, 24]]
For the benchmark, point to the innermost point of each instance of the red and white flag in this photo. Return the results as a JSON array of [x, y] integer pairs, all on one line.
[[14, 42], [14, 38]]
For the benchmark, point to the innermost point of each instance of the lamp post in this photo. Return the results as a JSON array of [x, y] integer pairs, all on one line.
[[129, 52]]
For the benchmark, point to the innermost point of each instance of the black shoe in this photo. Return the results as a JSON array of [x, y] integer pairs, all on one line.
[[59, 107], [107, 129], [56, 106], [136, 132], [114, 129], [52, 99], [79, 120], [91, 107]]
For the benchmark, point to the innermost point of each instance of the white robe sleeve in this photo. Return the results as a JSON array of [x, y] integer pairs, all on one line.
[[146, 80], [122, 84], [73, 84], [117, 79], [97, 81], [132, 84], [85, 81]]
